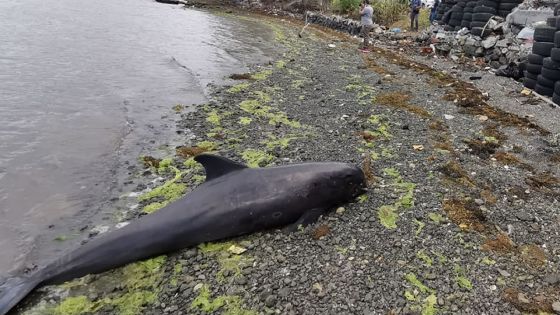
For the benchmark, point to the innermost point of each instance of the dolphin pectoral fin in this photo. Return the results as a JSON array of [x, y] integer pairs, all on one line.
[[216, 166], [306, 218]]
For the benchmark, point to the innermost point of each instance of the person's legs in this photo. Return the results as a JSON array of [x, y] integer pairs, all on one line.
[[411, 20], [364, 32], [366, 36], [416, 21]]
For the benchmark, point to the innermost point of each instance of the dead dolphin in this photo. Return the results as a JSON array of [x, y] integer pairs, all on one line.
[[234, 200]]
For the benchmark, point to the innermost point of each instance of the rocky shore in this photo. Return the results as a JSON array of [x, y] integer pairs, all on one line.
[[461, 216]]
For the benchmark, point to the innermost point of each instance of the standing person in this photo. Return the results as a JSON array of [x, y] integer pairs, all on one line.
[[414, 12], [366, 13], [433, 13]]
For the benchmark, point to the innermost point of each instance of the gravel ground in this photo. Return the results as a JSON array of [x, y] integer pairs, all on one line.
[[461, 217]]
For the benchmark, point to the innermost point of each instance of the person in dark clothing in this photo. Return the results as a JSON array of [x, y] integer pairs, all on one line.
[[433, 12], [415, 6]]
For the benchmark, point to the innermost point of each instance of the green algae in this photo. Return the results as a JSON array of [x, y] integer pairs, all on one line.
[[169, 191], [230, 264], [245, 120], [387, 215], [256, 107], [154, 206], [75, 305], [362, 198], [191, 164], [262, 96], [207, 145], [213, 118], [413, 280], [139, 280], [275, 142], [256, 158], [164, 165], [230, 304], [280, 64], [374, 119], [262, 75], [421, 226], [429, 307], [421, 254], [461, 279], [436, 217], [463, 282], [488, 261], [238, 88], [409, 296]]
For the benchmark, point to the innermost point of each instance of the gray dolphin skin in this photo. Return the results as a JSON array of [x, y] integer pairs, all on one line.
[[234, 200]]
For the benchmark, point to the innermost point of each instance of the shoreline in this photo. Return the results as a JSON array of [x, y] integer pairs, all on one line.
[[432, 235]]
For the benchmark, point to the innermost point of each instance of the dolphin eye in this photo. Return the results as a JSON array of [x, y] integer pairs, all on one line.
[[276, 215]]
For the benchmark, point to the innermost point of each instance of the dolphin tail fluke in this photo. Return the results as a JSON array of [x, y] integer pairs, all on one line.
[[16, 289]]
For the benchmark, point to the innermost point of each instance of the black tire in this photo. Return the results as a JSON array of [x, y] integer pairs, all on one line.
[[555, 54], [448, 28], [477, 31], [482, 17], [478, 24], [534, 69], [543, 81], [457, 28], [457, 16], [554, 22], [557, 39], [529, 83], [550, 74], [556, 9], [466, 24], [507, 6], [543, 90], [454, 22], [530, 75], [557, 87], [489, 3], [468, 10], [535, 59], [467, 17], [551, 64], [542, 49], [485, 10], [544, 33], [556, 98]]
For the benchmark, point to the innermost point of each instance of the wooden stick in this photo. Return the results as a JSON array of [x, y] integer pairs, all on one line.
[[544, 98]]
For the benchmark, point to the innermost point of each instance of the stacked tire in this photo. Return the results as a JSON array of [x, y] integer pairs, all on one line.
[[506, 6], [467, 14], [541, 72], [442, 8], [457, 15], [482, 12]]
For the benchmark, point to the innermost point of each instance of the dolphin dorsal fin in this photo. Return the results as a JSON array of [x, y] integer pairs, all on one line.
[[216, 166]]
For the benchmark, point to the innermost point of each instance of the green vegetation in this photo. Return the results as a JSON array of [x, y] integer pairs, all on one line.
[[230, 304], [238, 88], [388, 214], [413, 280], [256, 158], [74, 306]]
